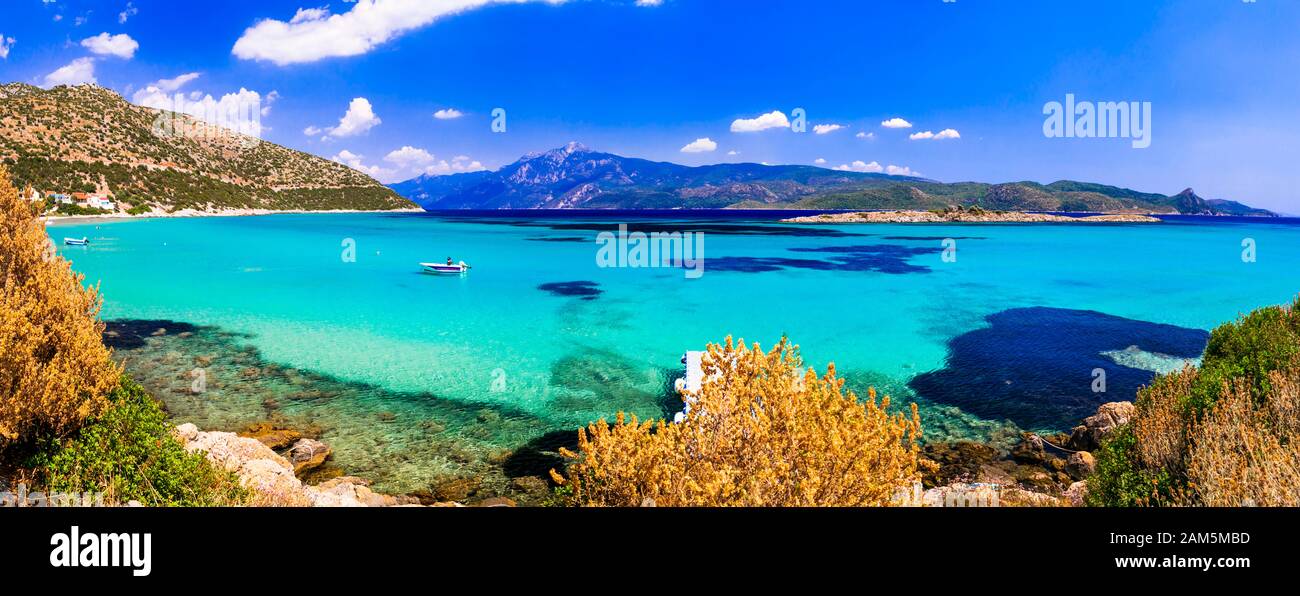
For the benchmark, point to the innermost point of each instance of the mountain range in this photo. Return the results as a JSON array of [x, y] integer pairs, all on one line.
[[86, 138], [575, 176]]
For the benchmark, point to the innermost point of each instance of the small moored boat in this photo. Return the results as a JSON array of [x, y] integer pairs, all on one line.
[[445, 267], [77, 241]]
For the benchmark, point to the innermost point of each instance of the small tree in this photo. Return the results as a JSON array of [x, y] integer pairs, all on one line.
[[761, 432], [54, 369]]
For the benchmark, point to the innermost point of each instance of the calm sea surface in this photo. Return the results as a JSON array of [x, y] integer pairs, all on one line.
[[416, 378]]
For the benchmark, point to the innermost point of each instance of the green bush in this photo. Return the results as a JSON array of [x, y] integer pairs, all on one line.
[[1247, 350], [129, 453], [1119, 480], [1266, 340]]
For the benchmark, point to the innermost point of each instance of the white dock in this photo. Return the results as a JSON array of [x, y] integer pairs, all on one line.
[[693, 381]]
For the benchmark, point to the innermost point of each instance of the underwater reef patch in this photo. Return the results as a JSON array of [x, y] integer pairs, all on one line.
[[584, 290], [1034, 366]]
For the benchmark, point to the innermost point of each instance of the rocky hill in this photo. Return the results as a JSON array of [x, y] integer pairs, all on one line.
[[89, 139], [574, 176]]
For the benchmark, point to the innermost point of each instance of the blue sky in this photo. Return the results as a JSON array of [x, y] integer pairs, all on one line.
[[649, 78]]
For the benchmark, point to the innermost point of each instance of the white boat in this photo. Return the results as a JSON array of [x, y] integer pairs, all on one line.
[[77, 241], [445, 268]]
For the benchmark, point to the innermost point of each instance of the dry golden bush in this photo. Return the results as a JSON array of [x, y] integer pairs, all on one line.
[[761, 432], [1160, 421], [1238, 457], [54, 369]]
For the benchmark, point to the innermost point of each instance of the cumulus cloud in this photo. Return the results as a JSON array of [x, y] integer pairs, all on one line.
[[893, 170], [866, 135], [409, 156], [81, 70], [359, 119], [896, 123], [354, 161], [312, 131], [861, 166], [120, 45], [240, 111], [408, 162], [127, 13], [704, 145], [5, 44], [825, 129], [448, 114], [649, 2], [820, 161], [946, 133], [315, 34], [774, 119]]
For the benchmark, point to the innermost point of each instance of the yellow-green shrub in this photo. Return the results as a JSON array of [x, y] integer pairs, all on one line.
[[761, 432]]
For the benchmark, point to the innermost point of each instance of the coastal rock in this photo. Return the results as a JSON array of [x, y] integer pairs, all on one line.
[[1077, 493], [272, 478], [308, 454], [960, 461], [1030, 450], [1088, 436], [269, 435], [1082, 464], [496, 502], [456, 489], [1017, 497]]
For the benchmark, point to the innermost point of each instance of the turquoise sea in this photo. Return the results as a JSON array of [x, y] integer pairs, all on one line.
[[416, 379]]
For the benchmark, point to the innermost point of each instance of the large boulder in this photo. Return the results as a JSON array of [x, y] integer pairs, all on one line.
[[308, 454], [1082, 464], [1110, 416], [1077, 493]]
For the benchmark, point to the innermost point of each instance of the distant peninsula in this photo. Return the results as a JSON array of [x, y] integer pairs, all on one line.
[[971, 215]]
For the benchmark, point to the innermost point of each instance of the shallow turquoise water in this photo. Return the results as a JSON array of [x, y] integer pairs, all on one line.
[[878, 300]]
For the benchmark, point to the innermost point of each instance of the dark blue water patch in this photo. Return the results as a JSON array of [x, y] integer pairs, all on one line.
[[585, 290], [1034, 366], [876, 258], [933, 238], [560, 239]]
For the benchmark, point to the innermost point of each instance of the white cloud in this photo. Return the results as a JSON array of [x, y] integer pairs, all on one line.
[[268, 101], [354, 161], [448, 114], [704, 145], [820, 161], [311, 131], [775, 119], [733, 152], [359, 119], [866, 135], [315, 34], [129, 12], [120, 45], [893, 170], [946, 133], [649, 2], [409, 156], [458, 165], [240, 111], [896, 123], [861, 166], [824, 129], [408, 162], [5, 44], [81, 70]]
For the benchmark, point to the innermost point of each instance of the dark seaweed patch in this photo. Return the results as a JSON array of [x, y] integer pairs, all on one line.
[[877, 258], [1034, 366], [585, 290]]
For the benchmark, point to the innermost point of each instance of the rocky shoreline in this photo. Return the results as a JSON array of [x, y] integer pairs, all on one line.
[[1038, 472], [965, 216], [280, 478], [161, 214]]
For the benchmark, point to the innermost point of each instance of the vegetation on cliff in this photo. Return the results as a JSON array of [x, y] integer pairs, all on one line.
[[89, 139], [1224, 435], [68, 420], [762, 431]]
